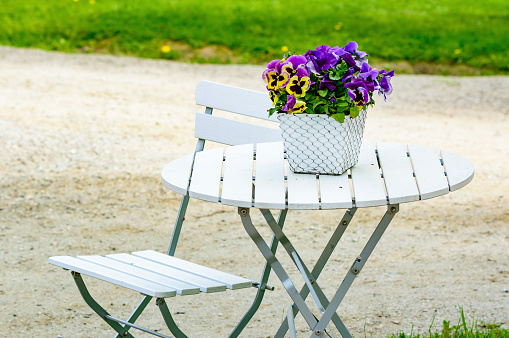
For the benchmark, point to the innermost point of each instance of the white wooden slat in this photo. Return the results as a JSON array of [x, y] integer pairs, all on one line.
[[429, 172], [232, 282], [175, 175], [233, 99], [459, 170], [231, 132], [397, 172], [206, 177], [180, 287], [270, 176], [113, 276], [335, 191], [204, 284], [238, 176], [302, 190], [367, 183]]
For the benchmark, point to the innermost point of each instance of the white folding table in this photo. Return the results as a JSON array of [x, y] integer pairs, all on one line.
[[256, 176]]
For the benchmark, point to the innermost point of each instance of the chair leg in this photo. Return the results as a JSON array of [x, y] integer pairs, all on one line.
[[96, 307], [137, 312], [168, 319], [178, 225], [263, 282]]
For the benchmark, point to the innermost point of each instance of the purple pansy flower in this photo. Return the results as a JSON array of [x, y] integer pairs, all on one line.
[[368, 73], [351, 48], [293, 105], [327, 83], [321, 59], [385, 87], [358, 91], [350, 61], [294, 63]]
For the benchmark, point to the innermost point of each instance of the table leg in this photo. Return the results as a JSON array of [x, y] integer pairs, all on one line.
[[277, 267], [328, 309], [263, 282], [355, 270], [320, 264]]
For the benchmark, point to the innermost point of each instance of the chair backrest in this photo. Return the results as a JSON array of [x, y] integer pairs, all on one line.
[[238, 101]]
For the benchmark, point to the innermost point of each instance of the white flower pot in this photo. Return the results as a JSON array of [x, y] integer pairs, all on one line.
[[319, 144]]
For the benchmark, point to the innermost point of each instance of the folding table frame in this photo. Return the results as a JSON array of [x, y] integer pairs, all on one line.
[[326, 307]]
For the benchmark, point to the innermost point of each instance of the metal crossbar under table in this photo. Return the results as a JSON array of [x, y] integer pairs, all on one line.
[[326, 307]]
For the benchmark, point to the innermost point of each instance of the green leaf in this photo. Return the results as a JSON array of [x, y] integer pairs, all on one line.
[[340, 117], [334, 76], [342, 104], [354, 111], [323, 92], [272, 111], [317, 103], [326, 109]]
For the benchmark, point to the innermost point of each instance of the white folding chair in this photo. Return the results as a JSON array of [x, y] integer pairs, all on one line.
[[158, 275]]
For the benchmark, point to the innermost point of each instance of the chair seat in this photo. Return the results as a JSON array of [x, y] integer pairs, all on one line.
[[153, 273]]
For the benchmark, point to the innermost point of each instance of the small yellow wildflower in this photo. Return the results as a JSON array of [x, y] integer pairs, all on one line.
[[75, 0], [92, 2], [284, 49], [457, 51], [165, 49], [338, 26]]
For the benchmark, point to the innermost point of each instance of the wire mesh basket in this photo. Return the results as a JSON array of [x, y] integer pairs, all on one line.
[[316, 143]]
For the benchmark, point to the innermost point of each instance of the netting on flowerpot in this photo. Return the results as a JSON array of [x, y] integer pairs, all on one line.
[[319, 144]]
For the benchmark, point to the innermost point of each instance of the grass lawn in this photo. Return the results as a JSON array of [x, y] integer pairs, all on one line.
[[461, 330], [449, 32]]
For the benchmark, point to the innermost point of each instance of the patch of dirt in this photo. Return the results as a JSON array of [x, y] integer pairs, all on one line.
[[84, 139]]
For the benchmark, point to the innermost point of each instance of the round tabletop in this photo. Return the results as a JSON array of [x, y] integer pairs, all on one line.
[[257, 175]]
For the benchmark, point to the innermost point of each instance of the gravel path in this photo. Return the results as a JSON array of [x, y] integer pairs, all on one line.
[[84, 137]]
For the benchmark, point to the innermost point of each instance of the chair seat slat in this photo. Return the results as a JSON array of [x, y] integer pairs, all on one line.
[[232, 282], [166, 280], [113, 276], [203, 284]]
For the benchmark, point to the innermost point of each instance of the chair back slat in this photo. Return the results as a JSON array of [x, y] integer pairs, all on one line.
[[231, 132], [234, 100]]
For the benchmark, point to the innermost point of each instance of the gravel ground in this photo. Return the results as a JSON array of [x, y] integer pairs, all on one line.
[[84, 137]]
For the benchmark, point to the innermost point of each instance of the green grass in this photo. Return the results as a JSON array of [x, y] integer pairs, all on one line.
[[471, 33], [461, 330]]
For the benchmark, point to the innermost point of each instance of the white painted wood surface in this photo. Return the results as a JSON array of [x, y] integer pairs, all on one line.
[[153, 276], [397, 172], [270, 176], [234, 99], [175, 175], [306, 192], [238, 176], [335, 191], [231, 132], [458, 169], [302, 191], [202, 283], [206, 176], [113, 276], [231, 281], [153, 273], [366, 179], [429, 172]]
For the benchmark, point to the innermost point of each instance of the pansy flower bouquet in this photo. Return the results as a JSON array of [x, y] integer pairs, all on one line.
[[334, 81]]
